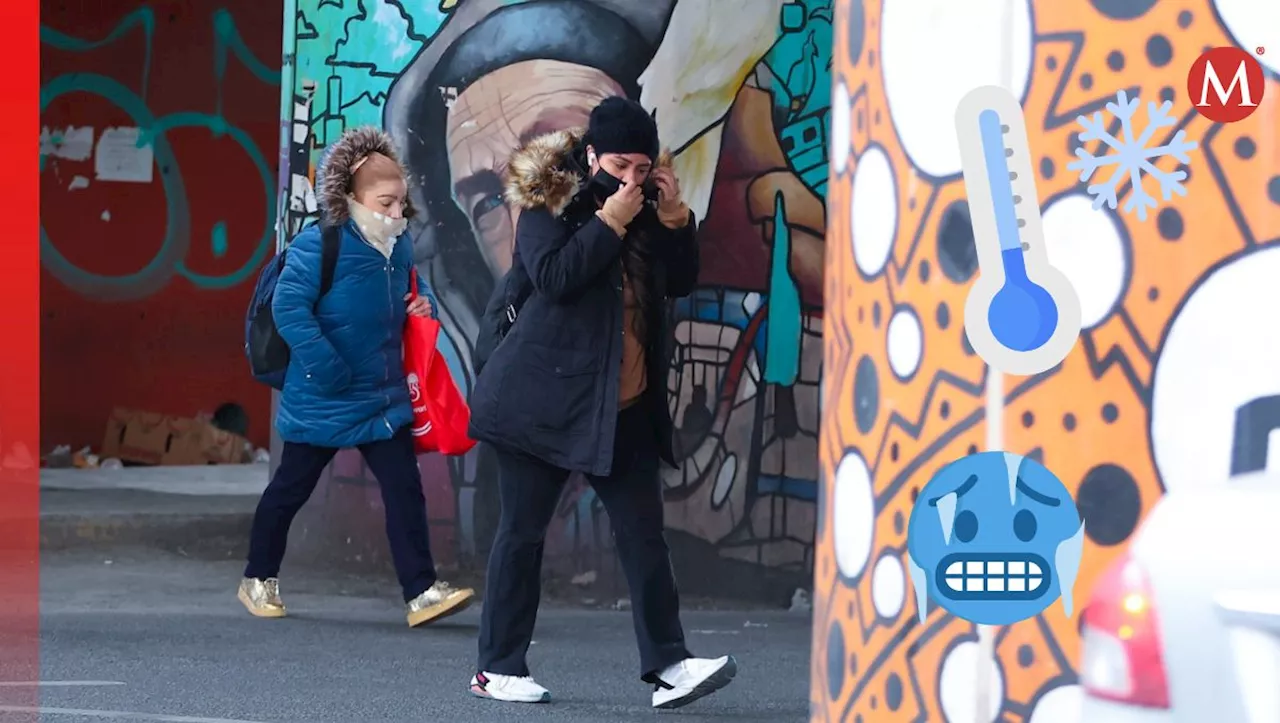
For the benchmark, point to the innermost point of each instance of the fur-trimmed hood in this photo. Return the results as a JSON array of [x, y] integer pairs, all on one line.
[[543, 171], [333, 177]]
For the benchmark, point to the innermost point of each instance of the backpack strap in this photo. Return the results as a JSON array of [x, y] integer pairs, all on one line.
[[330, 240]]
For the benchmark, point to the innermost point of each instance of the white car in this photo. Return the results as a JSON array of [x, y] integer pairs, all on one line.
[[1185, 628]]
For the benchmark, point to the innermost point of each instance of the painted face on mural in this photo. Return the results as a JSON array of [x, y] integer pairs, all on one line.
[[493, 117]]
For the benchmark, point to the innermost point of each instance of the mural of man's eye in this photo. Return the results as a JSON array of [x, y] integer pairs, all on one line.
[[966, 526], [1024, 525], [484, 207], [495, 231]]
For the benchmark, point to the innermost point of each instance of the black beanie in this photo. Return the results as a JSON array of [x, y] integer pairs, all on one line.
[[620, 125]]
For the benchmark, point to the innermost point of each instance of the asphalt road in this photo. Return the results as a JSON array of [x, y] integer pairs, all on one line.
[[146, 637]]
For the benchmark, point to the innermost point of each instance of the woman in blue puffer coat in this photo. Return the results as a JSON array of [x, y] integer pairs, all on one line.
[[345, 385]]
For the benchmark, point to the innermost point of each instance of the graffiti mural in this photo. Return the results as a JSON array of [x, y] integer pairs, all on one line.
[[1172, 385], [158, 187], [151, 144], [743, 100]]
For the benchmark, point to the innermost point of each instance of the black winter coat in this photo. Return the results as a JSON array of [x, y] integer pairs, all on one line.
[[550, 387]]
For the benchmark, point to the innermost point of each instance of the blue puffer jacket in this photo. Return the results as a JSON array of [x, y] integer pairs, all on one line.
[[345, 385]]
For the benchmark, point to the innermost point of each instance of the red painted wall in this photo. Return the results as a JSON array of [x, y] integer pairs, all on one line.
[[159, 341]]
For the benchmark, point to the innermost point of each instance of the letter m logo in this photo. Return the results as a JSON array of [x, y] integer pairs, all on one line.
[[1226, 84]]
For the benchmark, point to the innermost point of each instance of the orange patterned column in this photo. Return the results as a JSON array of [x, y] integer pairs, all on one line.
[[1173, 347]]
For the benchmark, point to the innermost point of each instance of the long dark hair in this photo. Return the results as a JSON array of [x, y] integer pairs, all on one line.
[[636, 265]]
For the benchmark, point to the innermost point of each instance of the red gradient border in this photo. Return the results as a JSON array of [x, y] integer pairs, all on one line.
[[20, 373]]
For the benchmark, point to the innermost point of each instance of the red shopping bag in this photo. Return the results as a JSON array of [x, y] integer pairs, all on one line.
[[440, 414]]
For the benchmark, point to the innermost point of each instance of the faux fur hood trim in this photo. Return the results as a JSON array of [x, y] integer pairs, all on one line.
[[333, 177], [541, 173]]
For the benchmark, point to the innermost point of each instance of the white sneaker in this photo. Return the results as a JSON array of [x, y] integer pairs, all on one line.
[[510, 688], [691, 679]]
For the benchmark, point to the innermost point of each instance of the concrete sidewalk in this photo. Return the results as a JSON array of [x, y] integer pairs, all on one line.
[[200, 511], [200, 480]]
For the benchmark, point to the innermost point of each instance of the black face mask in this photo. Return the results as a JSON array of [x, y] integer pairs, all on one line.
[[604, 184]]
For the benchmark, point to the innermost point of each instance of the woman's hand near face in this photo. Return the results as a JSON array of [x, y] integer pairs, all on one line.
[[672, 211], [669, 199]]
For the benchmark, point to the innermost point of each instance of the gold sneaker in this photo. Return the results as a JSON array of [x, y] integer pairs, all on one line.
[[441, 601], [261, 597]]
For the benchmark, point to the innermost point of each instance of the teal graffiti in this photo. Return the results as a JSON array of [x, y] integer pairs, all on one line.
[[218, 242], [219, 127], [228, 38], [782, 343], [169, 259], [157, 271], [144, 16]]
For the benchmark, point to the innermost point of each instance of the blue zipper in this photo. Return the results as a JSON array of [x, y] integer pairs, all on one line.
[[386, 367]]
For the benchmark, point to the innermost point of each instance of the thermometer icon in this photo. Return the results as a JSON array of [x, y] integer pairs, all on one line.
[[1022, 315]]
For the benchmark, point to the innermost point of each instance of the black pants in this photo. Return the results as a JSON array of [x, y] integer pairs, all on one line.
[[394, 463], [632, 495]]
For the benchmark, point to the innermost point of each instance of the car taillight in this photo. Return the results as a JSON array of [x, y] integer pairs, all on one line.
[[1123, 658]]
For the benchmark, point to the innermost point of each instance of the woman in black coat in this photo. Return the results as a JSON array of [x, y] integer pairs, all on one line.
[[579, 384]]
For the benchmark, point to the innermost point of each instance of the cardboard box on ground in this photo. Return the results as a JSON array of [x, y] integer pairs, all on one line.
[[161, 439]]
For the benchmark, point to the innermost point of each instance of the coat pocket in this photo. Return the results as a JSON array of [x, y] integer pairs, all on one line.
[[561, 389]]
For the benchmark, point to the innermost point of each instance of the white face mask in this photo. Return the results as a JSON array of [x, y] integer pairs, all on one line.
[[380, 229]]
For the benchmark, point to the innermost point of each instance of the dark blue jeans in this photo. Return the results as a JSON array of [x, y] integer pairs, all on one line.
[[394, 463]]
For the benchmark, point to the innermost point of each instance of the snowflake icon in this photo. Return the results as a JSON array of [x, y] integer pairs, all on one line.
[[1131, 156]]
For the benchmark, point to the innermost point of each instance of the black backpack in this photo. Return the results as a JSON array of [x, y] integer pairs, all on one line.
[[508, 297], [267, 352]]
